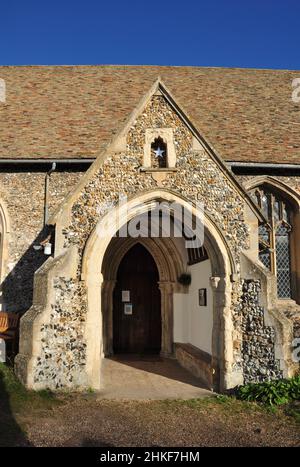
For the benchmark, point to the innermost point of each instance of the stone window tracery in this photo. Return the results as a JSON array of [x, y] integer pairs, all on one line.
[[275, 237]]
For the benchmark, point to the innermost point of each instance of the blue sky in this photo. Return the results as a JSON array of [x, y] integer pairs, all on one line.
[[239, 33]]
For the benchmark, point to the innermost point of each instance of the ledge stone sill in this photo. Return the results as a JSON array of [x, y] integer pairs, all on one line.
[[159, 175], [158, 170], [196, 361]]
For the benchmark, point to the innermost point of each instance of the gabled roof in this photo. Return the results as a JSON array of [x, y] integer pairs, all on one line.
[[157, 88], [75, 111]]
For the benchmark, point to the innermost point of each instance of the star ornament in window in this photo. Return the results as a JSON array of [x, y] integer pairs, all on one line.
[[159, 152]]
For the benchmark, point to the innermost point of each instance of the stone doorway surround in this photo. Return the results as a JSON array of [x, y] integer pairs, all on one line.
[[100, 281]]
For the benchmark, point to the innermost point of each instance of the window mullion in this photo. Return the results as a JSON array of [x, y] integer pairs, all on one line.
[[273, 236]]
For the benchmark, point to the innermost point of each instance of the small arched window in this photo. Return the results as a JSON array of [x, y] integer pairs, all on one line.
[[275, 237], [159, 153]]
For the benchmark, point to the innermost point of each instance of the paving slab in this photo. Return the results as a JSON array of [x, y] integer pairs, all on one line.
[[148, 378]]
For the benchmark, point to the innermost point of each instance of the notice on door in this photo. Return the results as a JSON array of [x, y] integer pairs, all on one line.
[[128, 309], [125, 295]]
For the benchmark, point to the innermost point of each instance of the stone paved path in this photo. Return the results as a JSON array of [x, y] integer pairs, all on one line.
[[132, 378]]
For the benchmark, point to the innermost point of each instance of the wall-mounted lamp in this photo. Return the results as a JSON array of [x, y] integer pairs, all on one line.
[[47, 249], [45, 244]]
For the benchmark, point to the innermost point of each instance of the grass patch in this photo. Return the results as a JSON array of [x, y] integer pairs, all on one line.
[[17, 398], [227, 405], [293, 410], [230, 406], [18, 404]]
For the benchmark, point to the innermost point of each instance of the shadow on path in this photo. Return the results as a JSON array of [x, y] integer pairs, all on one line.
[[165, 367], [10, 432]]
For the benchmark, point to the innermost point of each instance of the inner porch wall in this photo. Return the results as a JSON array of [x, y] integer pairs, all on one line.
[[193, 324]]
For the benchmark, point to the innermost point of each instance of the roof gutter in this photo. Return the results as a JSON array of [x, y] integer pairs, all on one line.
[[258, 165], [46, 161], [261, 165]]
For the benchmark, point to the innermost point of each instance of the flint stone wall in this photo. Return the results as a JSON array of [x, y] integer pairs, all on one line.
[[62, 361], [258, 340], [198, 178], [23, 195]]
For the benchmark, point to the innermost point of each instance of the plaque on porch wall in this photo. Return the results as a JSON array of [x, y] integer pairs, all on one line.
[[202, 297], [127, 308], [125, 295]]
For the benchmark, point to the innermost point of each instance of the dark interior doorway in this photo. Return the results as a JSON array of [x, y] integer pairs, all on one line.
[[137, 304]]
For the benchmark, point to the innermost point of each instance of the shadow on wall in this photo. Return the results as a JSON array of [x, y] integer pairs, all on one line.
[[17, 288], [10, 432]]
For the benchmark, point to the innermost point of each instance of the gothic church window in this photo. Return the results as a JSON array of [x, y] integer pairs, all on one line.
[[275, 237]]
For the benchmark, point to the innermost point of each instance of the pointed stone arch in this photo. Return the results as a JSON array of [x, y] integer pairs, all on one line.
[[94, 272]]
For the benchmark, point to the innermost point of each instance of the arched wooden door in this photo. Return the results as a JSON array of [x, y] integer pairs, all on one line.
[[136, 304]]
